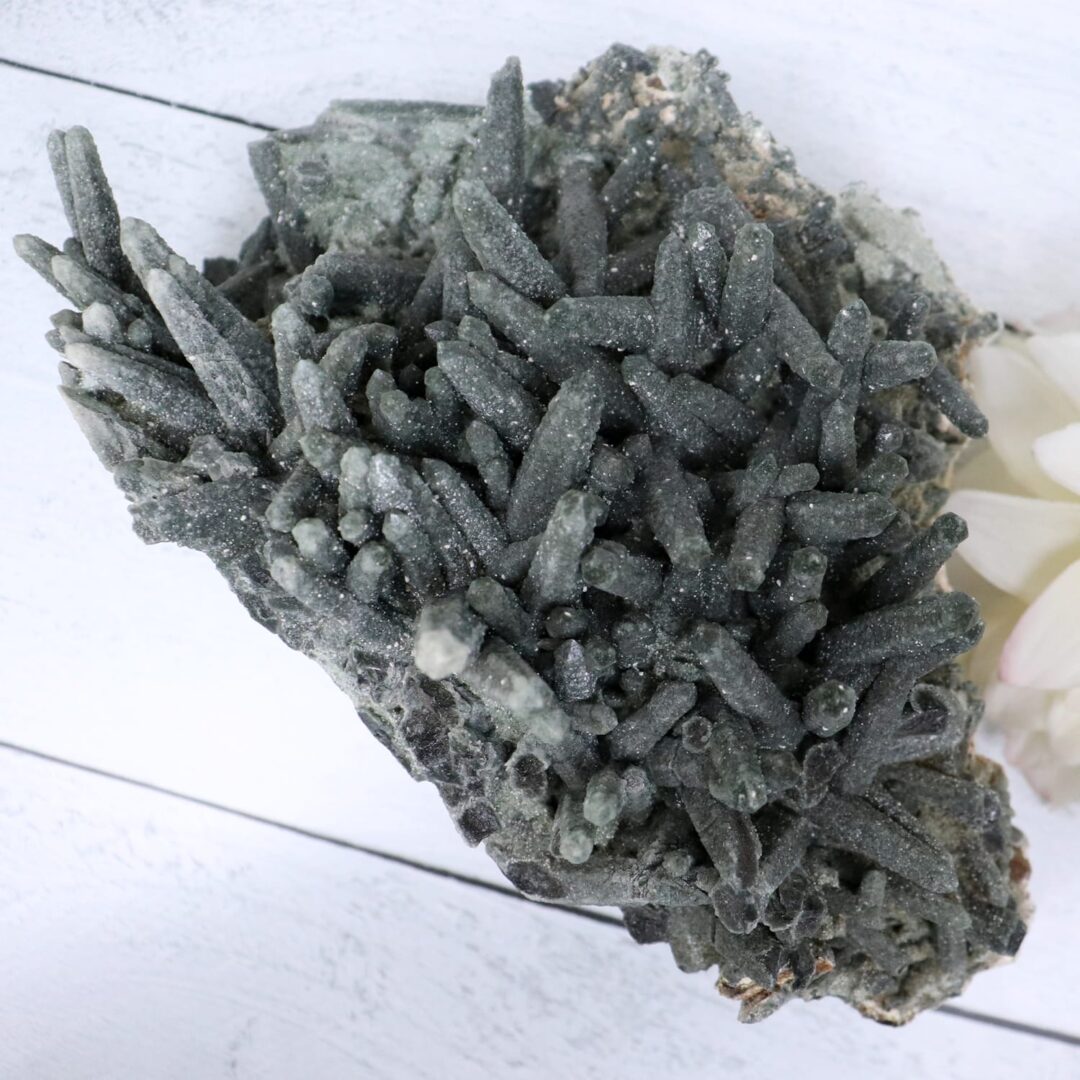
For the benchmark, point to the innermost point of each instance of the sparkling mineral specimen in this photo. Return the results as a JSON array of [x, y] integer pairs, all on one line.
[[597, 455]]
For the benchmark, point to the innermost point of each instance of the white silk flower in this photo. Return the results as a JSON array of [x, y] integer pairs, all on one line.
[[1019, 491]]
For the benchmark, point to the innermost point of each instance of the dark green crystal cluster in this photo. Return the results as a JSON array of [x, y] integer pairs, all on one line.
[[598, 456]]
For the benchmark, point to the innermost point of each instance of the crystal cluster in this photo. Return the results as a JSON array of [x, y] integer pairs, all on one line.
[[597, 455]]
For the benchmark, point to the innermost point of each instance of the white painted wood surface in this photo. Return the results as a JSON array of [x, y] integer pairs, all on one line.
[[146, 666], [150, 939], [136, 659], [965, 109]]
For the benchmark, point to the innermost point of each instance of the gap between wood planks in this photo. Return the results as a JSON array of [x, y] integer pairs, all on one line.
[[464, 879], [82, 81]]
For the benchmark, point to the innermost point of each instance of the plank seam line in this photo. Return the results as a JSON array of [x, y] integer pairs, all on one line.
[[400, 860], [308, 834], [464, 879], [1011, 1025], [138, 94]]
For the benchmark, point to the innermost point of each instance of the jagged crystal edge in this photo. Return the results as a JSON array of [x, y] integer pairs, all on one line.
[[597, 455]]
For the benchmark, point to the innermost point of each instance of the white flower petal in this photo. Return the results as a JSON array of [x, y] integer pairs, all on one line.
[[1058, 455], [1018, 544], [1033, 754], [1060, 322], [978, 466], [1043, 651], [998, 610], [1058, 356], [1023, 716], [1063, 727], [1021, 404], [1017, 709]]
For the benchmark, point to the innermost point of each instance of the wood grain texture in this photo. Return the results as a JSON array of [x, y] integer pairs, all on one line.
[[134, 659], [965, 110], [147, 938], [145, 665]]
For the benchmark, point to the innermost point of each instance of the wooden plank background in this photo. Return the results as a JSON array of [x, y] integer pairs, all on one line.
[[138, 662], [212, 947], [965, 110]]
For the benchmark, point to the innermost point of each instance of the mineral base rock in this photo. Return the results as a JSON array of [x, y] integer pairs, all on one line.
[[596, 454]]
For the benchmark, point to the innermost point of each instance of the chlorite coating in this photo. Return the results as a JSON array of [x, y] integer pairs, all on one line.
[[596, 454]]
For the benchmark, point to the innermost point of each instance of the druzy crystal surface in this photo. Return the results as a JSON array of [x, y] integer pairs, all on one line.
[[598, 456]]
